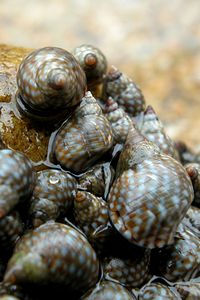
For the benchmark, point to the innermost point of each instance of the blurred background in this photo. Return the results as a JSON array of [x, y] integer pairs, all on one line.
[[156, 42]]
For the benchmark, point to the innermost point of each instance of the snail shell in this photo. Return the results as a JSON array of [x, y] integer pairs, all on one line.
[[96, 179], [91, 215], [50, 79], [151, 195], [84, 138], [181, 261], [188, 290], [119, 120], [158, 291], [186, 155], [124, 91], [93, 62], [53, 195], [193, 170], [17, 179], [53, 253], [153, 129], [109, 290], [11, 228], [132, 272]]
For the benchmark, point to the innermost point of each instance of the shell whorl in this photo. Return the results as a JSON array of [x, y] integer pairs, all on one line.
[[93, 62], [124, 91], [50, 78], [84, 138], [151, 194]]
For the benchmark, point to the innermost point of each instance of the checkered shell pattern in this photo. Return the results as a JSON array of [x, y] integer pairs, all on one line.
[[153, 129], [51, 78], [189, 290], [93, 62], [132, 272], [193, 170], [147, 203], [83, 139], [109, 290], [53, 195], [124, 91], [119, 120], [11, 228], [157, 291], [56, 253], [91, 215], [17, 179], [181, 261]]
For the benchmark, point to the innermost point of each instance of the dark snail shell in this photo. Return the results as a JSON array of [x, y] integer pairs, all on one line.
[[193, 170], [50, 79], [84, 138], [17, 179], [124, 91], [91, 215], [131, 272], [54, 254], [186, 154], [93, 62], [151, 195], [11, 228], [53, 195], [119, 120], [180, 261], [153, 129], [96, 179], [109, 290]]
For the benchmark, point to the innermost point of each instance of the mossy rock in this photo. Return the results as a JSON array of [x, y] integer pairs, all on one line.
[[16, 131]]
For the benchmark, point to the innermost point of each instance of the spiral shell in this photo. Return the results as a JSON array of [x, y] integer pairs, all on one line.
[[109, 290], [53, 253], [84, 138], [181, 261], [124, 91], [17, 179], [53, 195], [132, 271], [151, 195], [91, 215], [193, 217], [93, 62], [153, 129], [193, 170], [119, 120], [96, 179], [50, 79]]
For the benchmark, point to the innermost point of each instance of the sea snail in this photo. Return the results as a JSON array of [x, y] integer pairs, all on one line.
[[50, 79], [93, 62], [84, 138], [151, 194], [17, 179]]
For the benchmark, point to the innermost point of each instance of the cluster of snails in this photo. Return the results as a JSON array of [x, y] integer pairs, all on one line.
[[115, 212]]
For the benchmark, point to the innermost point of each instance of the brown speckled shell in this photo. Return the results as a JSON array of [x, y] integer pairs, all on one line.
[[132, 272], [84, 138], [53, 195], [193, 170], [50, 78], [124, 91], [93, 62], [151, 195], [54, 253], [17, 179], [153, 129]]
